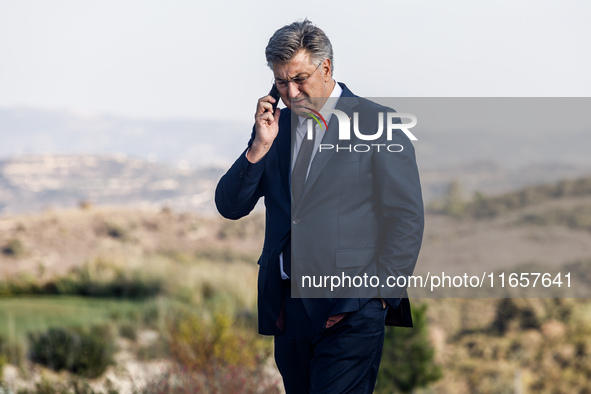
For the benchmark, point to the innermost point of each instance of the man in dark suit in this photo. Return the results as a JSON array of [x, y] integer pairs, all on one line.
[[346, 211]]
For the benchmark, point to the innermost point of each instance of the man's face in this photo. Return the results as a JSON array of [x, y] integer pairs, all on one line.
[[311, 93]]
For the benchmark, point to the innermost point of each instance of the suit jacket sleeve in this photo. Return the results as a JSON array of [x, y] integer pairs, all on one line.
[[238, 190], [399, 192]]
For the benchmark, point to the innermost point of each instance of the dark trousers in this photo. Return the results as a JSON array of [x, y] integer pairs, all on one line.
[[341, 359]]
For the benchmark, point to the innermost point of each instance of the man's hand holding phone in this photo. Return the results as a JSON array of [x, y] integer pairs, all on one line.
[[266, 126]]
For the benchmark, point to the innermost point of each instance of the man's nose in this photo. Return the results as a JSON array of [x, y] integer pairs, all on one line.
[[292, 89]]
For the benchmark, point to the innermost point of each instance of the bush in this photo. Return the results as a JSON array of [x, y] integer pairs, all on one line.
[[14, 248], [95, 279], [215, 356], [101, 279], [86, 353], [408, 357], [506, 312]]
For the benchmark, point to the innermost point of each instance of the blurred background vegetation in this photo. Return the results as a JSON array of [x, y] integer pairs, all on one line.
[[114, 300]]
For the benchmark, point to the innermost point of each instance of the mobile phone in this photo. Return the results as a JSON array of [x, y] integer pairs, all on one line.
[[275, 94]]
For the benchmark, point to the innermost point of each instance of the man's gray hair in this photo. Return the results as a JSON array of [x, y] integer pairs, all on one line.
[[290, 39]]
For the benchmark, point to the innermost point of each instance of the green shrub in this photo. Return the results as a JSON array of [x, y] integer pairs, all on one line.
[[86, 352], [408, 357], [95, 279], [123, 286], [14, 248], [101, 279]]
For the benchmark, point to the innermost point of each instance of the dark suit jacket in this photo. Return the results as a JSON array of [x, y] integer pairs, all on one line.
[[379, 215]]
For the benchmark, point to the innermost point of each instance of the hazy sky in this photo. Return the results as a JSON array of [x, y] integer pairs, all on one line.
[[198, 59]]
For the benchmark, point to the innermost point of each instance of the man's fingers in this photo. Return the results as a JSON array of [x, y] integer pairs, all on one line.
[[264, 107], [268, 98], [265, 104], [267, 117], [266, 122]]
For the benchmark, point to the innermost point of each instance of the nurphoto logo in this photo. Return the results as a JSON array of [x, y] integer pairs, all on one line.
[[393, 122]]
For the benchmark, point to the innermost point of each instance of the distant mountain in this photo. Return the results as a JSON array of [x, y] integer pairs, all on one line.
[[185, 143]]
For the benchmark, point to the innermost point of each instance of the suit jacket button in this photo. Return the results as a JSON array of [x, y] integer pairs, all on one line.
[[295, 221]]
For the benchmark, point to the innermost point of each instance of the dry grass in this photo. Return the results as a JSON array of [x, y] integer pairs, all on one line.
[[57, 241]]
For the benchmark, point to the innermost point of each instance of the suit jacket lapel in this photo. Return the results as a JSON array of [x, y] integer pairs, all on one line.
[[331, 136]]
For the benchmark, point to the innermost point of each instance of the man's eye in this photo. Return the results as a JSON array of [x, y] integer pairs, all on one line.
[[299, 80], [281, 83]]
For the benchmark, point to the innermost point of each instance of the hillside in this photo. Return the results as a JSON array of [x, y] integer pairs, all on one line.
[[34, 183], [54, 242]]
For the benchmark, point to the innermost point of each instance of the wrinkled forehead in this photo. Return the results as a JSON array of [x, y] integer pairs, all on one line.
[[300, 65]]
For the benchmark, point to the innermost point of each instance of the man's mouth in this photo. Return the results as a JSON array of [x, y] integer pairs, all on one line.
[[300, 103]]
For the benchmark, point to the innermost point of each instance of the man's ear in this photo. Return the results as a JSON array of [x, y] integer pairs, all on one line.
[[327, 72]]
